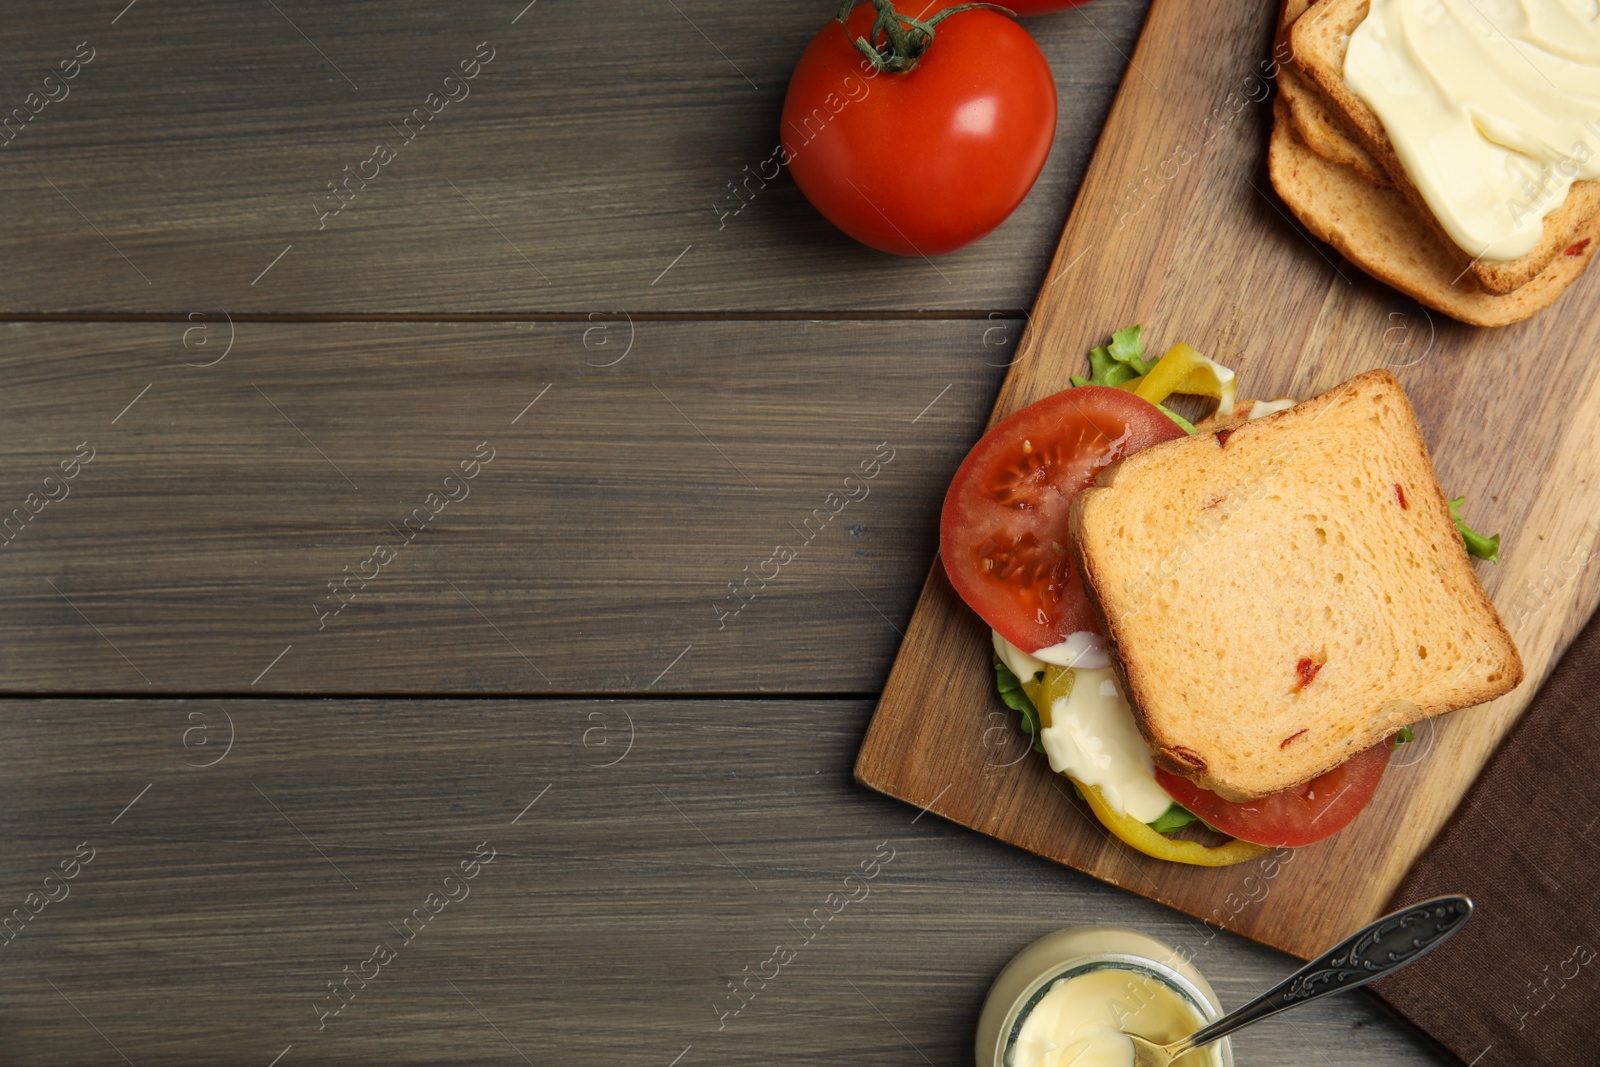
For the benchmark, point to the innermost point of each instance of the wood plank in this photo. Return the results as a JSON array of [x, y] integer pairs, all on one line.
[[588, 555], [588, 155], [1202, 252], [222, 899]]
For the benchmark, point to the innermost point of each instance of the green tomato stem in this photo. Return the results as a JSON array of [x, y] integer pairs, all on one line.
[[897, 41]]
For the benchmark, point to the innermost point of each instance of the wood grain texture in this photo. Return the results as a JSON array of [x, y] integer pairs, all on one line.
[[246, 851], [617, 908], [628, 514], [1175, 228], [593, 149]]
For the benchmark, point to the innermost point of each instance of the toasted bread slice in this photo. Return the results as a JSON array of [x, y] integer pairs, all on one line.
[[1288, 12], [1314, 119], [1382, 232], [1224, 565], [1322, 130], [1319, 40], [1243, 411]]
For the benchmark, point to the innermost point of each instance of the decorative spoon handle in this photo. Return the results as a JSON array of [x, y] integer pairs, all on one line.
[[1392, 942]]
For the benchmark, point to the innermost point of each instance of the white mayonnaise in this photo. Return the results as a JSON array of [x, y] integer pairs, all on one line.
[[1092, 736], [1082, 649], [1019, 662], [1262, 408], [1492, 107], [1073, 1024], [1081, 1021], [1224, 376]]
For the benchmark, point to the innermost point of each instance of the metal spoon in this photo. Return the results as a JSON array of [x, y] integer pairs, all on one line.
[[1394, 941]]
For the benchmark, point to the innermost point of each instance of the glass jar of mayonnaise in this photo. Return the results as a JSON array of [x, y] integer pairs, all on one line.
[[1069, 998]]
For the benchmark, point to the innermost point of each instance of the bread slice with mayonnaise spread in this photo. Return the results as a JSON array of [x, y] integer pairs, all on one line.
[[1319, 39], [1380, 231]]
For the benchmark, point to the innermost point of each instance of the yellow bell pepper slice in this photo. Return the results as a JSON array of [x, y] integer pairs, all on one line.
[[1044, 692], [1141, 837], [1184, 370]]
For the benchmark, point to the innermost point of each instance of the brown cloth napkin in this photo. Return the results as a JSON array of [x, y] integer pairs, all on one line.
[[1520, 985]]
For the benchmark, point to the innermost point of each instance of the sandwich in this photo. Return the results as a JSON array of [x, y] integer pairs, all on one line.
[[1219, 631]]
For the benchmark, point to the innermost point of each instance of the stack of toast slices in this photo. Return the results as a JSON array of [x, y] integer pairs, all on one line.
[[1335, 168]]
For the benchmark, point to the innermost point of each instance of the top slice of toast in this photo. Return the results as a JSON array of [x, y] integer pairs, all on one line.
[[1284, 594], [1320, 39]]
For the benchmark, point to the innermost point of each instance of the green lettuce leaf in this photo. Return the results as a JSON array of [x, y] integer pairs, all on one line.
[[1120, 361], [1015, 697], [1477, 545], [1105, 370], [1403, 735], [1174, 818], [1183, 423], [1126, 348]]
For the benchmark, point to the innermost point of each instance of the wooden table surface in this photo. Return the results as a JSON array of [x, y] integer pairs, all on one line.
[[612, 385]]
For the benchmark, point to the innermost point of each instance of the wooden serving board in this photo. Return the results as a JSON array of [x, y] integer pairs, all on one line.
[[1176, 227]]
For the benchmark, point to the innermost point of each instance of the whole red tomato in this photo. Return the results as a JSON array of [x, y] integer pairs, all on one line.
[[931, 144]]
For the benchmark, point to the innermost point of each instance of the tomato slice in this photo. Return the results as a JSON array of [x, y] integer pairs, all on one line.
[[1297, 816], [1003, 532]]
